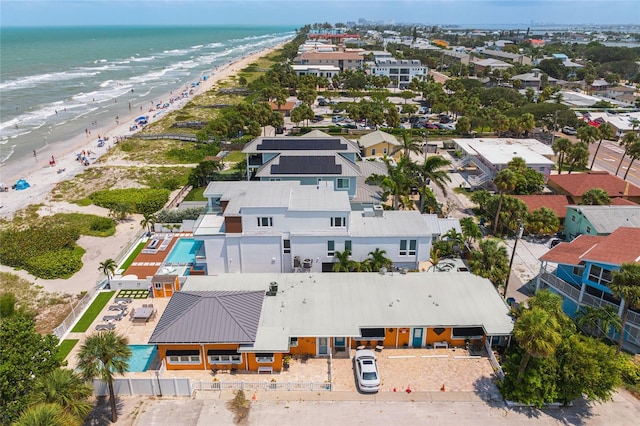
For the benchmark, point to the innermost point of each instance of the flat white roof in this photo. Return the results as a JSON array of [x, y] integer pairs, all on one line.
[[339, 304], [499, 151], [392, 223]]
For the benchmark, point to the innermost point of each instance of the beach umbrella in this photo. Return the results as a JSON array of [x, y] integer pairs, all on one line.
[[22, 184]]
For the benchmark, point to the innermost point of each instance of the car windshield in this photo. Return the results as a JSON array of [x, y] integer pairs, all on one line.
[[369, 375]]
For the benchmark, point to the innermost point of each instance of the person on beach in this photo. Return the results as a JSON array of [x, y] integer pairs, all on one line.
[[35, 154]]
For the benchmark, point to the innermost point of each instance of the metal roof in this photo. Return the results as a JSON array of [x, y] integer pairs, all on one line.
[[392, 223], [311, 141], [499, 151], [374, 138], [224, 316], [298, 163], [607, 219], [318, 198], [339, 304], [440, 226]]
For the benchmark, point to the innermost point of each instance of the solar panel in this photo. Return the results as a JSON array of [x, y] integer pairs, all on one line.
[[298, 144], [314, 165]]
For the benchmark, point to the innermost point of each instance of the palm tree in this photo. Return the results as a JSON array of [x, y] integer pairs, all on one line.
[[633, 151], [470, 230], [431, 170], [595, 197], [538, 333], [491, 261], [598, 320], [629, 139], [408, 146], [108, 268], [578, 156], [588, 135], [560, 147], [605, 131], [344, 263], [46, 415], [396, 182], [148, 220], [505, 181], [626, 286], [102, 355], [65, 388], [378, 259]]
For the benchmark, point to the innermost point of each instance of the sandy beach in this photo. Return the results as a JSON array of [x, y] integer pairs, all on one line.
[[42, 174]]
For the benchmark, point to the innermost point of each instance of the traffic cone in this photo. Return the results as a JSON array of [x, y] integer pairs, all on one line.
[[254, 397], [408, 389], [394, 389], [443, 389]]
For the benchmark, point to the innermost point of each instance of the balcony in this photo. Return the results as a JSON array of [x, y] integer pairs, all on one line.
[[572, 291]]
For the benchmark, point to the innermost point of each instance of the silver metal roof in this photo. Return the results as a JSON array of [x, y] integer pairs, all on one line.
[[210, 316], [377, 137], [440, 226], [607, 219], [339, 304]]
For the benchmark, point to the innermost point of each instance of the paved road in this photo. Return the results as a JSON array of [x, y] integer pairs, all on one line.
[[341, 408]]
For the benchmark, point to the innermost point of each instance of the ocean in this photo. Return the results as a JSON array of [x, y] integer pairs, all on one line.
[[57, 82]]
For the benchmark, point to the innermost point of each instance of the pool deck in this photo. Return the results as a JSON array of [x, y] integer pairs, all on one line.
[[146, 264]]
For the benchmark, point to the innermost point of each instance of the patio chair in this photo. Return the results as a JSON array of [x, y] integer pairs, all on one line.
[[103, 327]]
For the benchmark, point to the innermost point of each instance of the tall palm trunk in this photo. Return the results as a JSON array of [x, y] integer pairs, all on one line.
[[625, 314], [523, 365], [112, 401], [621, 160], [595, 154], [495, 225], [628, 168]]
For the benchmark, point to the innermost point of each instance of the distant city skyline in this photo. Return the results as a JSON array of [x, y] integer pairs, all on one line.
[[475, 13]]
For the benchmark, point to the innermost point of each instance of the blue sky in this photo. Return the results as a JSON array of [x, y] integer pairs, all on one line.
[[296, 13]]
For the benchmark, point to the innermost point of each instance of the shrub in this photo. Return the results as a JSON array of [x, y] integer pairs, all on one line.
[[142, 200], [100, 224], [177, 216], [61, 263]]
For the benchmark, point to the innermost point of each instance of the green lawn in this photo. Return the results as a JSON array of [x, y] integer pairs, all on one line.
[[65, 347], [93, 311], [235, 156], [196, 194], [132, 256]]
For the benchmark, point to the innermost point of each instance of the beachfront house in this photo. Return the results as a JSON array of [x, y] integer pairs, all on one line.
[[400, 71], [283, 226], [581, 270], [249, 322]]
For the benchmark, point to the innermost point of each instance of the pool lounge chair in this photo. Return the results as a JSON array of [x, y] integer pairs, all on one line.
[[117, 308], [114, 317], [102, 327], [122, 299]]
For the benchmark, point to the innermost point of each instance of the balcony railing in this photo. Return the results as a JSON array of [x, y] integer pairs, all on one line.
[[573, 293]]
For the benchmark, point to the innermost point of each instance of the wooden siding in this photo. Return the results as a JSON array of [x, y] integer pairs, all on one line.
[[233, 224]]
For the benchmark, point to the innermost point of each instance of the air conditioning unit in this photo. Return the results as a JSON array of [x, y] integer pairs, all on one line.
[[273, 288], [368, 212], [378, 210]]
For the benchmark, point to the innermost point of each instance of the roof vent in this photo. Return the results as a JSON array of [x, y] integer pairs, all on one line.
[[382, 270], [273, 288], [378, 210]]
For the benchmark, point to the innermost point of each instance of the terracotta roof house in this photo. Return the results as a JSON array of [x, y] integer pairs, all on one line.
[[285, 109], [584, 270], [576, 184], [557, 203], [342, 60]]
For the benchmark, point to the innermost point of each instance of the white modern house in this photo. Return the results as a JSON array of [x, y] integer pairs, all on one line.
[[328, 71], [400, 71], [490, 155], [284, 226]]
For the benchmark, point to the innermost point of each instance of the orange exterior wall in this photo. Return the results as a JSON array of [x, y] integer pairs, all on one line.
[[158, 293], [162, 353], [247, 358], [276, 365], [306, 346]]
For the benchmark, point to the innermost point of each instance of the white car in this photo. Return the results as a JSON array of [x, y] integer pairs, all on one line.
[[367, 371]]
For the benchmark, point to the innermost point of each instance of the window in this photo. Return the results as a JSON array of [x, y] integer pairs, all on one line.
[[342, 183], [588, 229], [467, 332], [412, 247], [265, 221], [347, 245], [293, 342], [158, 286], [578, 270], [286, 244], [599, 275], [331, 248], [183, 357], [384, 150], [224, 357], [373, 151], [338, 222], [274, 179], [573, 218], [264, 358]]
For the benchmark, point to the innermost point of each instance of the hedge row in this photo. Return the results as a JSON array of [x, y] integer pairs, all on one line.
[[139, 200]]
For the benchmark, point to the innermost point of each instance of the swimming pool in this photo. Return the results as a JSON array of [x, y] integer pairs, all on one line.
[[141, 357], [184, 251]]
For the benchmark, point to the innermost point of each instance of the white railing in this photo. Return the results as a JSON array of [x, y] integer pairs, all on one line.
[[265, 385], [560, 285], [76, 312], [493, 360]]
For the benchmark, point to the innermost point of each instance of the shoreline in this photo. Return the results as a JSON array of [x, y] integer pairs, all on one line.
[[43, 175]]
